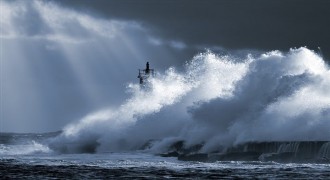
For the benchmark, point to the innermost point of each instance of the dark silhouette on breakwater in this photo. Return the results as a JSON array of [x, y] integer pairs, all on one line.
[[144, 74], [283, 152]]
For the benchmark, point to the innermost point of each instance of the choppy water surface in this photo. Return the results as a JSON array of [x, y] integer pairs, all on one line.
[[28, 156], [142, 165]]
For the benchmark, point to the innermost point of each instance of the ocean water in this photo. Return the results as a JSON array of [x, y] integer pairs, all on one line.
[[28, 156]]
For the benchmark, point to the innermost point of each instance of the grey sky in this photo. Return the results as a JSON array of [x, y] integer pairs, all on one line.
[[232, 24]]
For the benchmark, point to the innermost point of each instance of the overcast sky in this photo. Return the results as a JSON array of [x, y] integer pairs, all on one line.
[[63, 59], [231, 24]]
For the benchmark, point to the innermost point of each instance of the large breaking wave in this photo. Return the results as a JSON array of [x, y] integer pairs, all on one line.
[[217, 101]]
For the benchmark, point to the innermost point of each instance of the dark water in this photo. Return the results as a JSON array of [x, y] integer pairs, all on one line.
[[27, 156], [137, 165]]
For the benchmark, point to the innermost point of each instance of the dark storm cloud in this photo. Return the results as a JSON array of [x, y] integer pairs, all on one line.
[[232, 24]]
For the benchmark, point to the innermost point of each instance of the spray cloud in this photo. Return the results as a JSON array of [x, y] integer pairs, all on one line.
[[219, 101]]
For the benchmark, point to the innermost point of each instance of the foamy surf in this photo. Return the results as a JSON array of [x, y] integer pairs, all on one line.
[[26, 148], [218, 101]]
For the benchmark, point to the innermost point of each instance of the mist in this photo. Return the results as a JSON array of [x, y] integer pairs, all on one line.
[[58, 64], [75, 71], [218, 102]]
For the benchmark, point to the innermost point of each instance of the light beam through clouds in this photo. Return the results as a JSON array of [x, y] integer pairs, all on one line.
[[75, 62]]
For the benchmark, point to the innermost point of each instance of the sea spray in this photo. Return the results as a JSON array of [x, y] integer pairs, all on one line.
[[217, 101], [282, 97], [26, 148], [108, 126], [324, 152]]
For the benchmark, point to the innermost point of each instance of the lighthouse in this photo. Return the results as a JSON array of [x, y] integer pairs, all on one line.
[[144, 74]]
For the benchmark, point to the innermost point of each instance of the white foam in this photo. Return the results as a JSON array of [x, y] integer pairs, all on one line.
[[24, 149], [219, 101]]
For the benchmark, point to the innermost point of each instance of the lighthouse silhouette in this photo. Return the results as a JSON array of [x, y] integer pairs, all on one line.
[[144, 74]]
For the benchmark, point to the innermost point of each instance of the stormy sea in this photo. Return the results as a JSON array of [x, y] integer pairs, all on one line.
[[27, 156], [233, 115], [267, 119]]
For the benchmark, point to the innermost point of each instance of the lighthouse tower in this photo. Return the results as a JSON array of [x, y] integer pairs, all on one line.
[[144, 74]]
